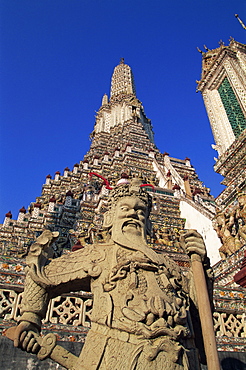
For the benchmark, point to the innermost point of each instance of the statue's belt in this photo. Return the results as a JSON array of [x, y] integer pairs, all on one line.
[[116, 333], [151, 347], [122, 335]]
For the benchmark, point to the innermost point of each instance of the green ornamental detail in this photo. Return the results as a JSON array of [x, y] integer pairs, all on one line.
[[232, 107]]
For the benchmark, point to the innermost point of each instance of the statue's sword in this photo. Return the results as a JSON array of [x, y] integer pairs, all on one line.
[[49, 348]]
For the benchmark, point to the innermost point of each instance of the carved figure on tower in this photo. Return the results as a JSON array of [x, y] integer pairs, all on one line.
[[231, 227], [241, 217], [144, 305], [223, 227]]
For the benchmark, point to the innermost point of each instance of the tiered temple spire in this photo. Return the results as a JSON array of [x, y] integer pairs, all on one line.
[[122, 81], [123, 107]]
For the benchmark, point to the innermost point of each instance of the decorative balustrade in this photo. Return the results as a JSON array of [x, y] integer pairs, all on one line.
[[230, 325], [66, 310], [72, 310]]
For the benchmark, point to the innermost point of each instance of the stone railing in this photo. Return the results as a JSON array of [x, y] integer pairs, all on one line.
[[229, 325], [74, 310], [66, 310]]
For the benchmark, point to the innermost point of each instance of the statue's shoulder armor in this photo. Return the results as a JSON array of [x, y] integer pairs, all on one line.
[[76, 265]]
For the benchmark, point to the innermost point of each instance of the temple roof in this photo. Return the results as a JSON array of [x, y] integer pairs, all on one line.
[[209, 57], [212, 58]]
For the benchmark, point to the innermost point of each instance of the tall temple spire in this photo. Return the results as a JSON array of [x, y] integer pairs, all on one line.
[[122, 82], [123, 107]]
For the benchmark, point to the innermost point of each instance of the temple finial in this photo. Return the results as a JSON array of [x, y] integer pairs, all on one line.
[[200, 51], [240, 21], [122, 60]]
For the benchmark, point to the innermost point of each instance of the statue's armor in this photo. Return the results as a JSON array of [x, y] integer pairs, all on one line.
[[138, 302]]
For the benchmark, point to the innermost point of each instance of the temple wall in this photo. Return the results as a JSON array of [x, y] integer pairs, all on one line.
[[196, 220]]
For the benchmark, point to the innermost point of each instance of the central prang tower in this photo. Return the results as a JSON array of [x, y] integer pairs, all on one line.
[[123, 105], [123, 108]]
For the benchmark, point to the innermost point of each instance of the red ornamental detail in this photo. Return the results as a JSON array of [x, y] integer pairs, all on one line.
[[176, 187], [240, 277], [197, 191], [77, 246], [152, 186], [124, 176], [105, 181]]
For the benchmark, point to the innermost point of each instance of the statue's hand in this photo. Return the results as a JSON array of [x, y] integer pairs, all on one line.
[[193, 243], [26, 337]]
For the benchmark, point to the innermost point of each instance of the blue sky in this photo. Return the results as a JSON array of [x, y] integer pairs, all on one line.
[[57, 58]]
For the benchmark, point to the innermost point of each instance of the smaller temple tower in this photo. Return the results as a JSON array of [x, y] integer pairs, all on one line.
[[223, 85]]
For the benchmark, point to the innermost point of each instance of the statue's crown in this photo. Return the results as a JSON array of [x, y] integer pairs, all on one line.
[[128, 189]]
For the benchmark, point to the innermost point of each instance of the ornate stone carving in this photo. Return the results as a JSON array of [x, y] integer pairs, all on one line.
[[241, 217], [230, 325], [231, 227], [7, 303]]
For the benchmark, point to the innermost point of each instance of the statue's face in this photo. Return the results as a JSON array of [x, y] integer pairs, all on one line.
[[130, 215]]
